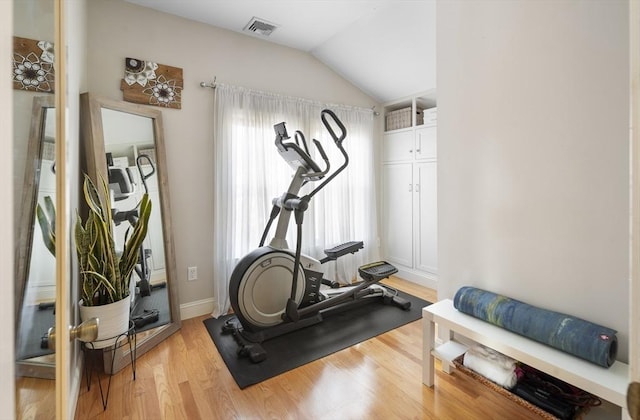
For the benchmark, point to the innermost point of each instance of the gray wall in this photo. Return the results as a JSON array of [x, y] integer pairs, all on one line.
[[118, 29], [533, 151]]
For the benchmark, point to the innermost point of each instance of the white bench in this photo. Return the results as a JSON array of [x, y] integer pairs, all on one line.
[[608, 384]]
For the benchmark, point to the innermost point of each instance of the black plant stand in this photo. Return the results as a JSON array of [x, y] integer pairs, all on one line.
[[127, 337]]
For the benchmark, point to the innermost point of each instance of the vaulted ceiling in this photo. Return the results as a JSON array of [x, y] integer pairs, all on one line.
[[385, 47]]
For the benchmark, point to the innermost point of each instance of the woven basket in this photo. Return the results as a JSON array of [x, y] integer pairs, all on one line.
[[458, 363]]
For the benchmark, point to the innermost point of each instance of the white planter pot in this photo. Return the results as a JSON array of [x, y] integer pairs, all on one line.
[[113, 320]]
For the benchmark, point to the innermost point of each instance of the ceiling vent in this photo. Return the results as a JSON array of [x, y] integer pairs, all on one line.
[[259, 26]]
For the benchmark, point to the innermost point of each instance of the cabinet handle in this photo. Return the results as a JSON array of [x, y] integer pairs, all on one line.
[[417, 188], [417, 150], [410, 187], [410, 150]]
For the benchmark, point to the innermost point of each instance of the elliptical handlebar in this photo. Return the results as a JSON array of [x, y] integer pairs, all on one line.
[[336, 120], [337, 140], [296, 156], [143, 176], [299, 136], [321, 150], [320, 174]]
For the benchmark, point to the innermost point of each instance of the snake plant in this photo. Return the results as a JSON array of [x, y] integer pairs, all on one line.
[[106, 273], [47, 221]]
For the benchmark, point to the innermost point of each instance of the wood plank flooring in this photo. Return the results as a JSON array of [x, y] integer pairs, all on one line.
[[185, 378]]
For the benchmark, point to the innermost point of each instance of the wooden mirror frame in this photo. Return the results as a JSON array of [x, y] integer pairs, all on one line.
[[91, 128], [42, 366]]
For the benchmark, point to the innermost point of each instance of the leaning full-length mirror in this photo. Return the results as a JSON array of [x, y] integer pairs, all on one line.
[[124, 144], [35, 262]]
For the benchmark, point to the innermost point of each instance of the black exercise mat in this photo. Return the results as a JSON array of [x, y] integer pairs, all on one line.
[[336, 332], [35, 324]]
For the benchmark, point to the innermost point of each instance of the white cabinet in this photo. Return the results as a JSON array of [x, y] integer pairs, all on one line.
[[425, 207], [397, 210], [410, 218], [409, 203], [398, 145], [409, 144], [426, 146]]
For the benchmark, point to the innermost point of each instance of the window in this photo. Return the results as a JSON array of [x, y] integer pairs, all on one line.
[[250, 173]]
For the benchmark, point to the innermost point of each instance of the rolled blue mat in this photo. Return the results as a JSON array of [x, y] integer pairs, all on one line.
[[584, 339]]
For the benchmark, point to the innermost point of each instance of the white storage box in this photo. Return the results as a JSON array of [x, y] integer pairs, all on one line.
[[430, 115]]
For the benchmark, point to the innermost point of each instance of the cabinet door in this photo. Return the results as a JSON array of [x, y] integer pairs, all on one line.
[[397, 213], [426, 144], [426, 217], [398, 145]]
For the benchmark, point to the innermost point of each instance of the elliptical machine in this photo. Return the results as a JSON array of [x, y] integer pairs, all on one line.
[[275, 290]]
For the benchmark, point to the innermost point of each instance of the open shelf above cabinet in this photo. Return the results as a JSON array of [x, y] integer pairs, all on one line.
[[411, 111]]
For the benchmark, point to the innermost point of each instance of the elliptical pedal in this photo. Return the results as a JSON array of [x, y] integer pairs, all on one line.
[[342, 249], [376, 271]]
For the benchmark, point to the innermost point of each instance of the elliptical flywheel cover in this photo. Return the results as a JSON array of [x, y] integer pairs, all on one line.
[[260, 286]]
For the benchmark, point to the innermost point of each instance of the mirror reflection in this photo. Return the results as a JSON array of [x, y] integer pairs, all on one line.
[[35, 263], [129, 145]]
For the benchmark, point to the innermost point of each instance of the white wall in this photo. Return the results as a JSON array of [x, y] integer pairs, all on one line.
[[7, 332], [118, 29], [533, 134]]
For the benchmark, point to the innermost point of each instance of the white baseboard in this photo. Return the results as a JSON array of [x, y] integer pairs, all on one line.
[[207, 306], [419, 277], [196, 308]]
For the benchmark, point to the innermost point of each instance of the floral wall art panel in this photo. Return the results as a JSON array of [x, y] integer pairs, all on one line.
[[33, 65], [150, 83]]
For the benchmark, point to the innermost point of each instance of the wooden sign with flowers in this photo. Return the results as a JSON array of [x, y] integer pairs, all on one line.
[[33, 65], [146, 82]]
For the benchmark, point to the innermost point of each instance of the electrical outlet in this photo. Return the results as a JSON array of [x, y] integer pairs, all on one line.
[[192, 273]]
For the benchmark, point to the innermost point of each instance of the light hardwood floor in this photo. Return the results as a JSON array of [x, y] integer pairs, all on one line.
[[185, 378]]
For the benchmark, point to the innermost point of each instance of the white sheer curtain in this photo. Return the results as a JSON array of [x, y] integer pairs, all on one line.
[[249, 173]]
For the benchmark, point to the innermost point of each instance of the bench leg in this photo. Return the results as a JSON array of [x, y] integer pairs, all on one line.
[[445, 332], [428, 344]]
